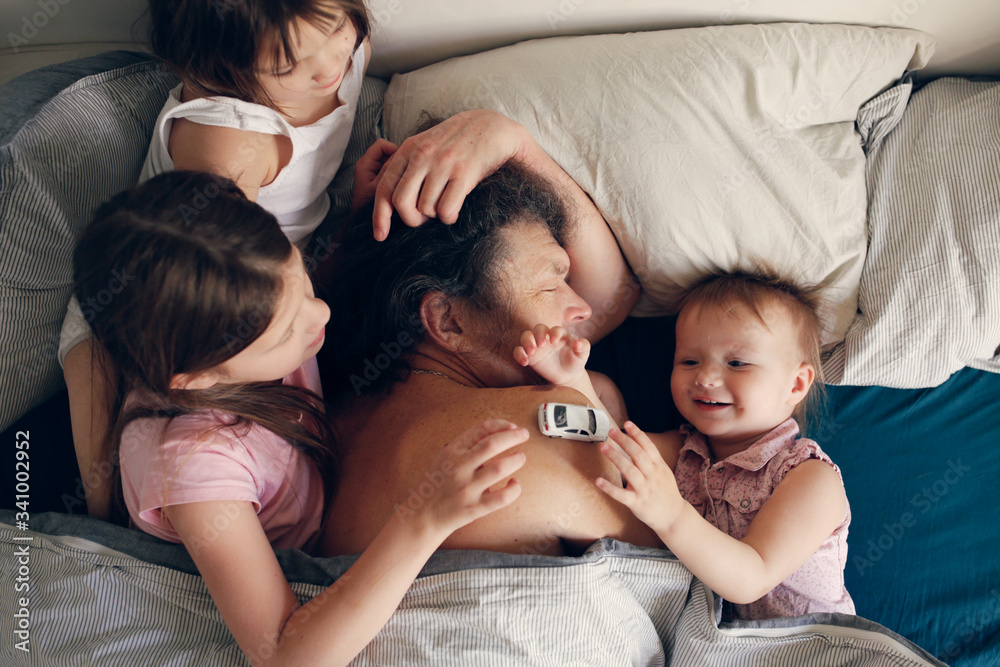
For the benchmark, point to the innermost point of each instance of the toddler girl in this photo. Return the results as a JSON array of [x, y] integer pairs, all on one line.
[[756, 513], [222, 441]]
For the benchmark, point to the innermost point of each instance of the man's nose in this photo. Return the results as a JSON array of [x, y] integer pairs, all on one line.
[[578, 309]]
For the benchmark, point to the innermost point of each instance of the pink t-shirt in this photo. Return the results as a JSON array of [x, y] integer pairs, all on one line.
[[193, 461], [729, 493]]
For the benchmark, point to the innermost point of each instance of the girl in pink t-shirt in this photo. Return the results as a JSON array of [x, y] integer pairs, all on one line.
[[205, 308], [756, 513]]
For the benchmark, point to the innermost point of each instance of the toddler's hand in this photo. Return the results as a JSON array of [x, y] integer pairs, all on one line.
[[652, 492], [463, 472], [555, 354], [368, 171]]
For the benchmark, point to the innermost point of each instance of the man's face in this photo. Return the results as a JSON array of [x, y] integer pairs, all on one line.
[[533, 287]]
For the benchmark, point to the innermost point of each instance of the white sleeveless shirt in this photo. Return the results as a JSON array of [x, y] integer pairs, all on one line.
[[297, 197]]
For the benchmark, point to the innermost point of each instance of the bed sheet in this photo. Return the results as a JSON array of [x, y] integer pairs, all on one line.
[[642, 607], [920, 468]]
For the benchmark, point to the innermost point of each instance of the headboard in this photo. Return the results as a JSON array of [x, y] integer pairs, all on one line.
[[412, 33]]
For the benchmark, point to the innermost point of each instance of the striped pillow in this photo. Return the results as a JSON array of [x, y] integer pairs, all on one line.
[[929, 298], [64, 152]]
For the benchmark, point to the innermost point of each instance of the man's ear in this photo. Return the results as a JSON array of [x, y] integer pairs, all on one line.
[[803, 380], [200, 380], [442, 321]]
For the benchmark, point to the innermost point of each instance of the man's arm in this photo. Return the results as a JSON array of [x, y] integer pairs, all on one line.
[[598, 270]]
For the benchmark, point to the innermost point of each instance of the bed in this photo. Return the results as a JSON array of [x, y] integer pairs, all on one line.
[[846, 154]]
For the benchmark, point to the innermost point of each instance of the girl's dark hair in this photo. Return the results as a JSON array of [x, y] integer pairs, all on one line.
[[375, 288], [754, 291], [214, 46], [178, 275]]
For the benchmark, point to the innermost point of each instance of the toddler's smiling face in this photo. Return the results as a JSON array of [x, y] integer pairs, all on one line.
[[735, 378]]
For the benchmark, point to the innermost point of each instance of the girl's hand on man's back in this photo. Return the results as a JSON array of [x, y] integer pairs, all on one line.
[[651, 492], [456, 488]]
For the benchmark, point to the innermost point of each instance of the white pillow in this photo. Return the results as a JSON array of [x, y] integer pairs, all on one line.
[[704, 148]]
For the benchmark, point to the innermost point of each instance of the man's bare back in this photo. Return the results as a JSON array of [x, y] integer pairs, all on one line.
[[388, 440]]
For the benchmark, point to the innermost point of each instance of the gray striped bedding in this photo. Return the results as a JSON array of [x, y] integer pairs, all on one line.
[[59, 159], [929, 298], [104, 595]]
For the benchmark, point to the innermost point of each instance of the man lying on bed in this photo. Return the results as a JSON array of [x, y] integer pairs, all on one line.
[[426, 323]]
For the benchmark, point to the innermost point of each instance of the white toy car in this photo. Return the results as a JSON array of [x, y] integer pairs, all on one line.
[[574, 422]]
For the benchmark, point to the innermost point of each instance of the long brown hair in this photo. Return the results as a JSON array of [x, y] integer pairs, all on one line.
[[214, 46], [176, 276]]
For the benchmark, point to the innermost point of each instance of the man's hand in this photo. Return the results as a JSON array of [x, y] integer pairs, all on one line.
[[432, 172]]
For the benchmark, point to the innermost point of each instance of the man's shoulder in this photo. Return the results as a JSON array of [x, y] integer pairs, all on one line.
[[456, 411], [519, 400]]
